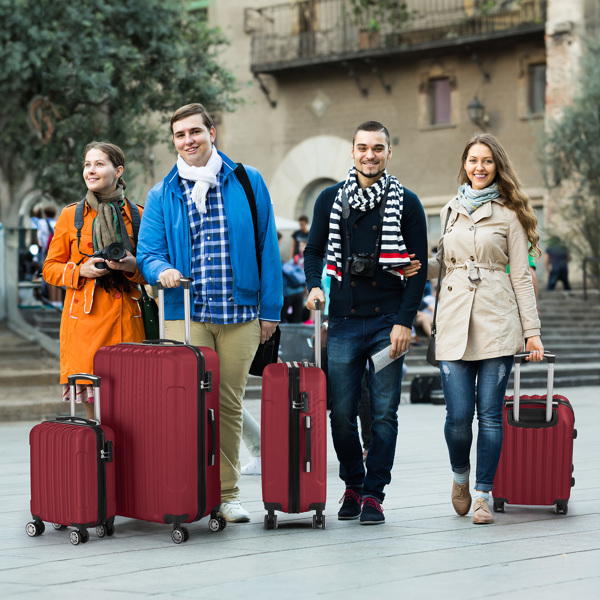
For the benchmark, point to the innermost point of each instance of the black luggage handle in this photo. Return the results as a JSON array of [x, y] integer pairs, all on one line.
[[164, 341], [213, 437], [307, 444], [74, 419]]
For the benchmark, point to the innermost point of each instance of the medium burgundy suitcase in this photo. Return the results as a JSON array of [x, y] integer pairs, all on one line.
[[536, 463], [294, 438], [73, 473], [162, 400]]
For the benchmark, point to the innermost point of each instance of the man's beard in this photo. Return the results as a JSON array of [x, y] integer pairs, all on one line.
[[374, 176]]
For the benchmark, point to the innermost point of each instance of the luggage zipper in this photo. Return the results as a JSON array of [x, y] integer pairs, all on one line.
[[294, 435]]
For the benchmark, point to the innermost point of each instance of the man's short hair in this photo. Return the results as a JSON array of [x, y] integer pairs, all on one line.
[[303, 218], [192, 109], [372, 126]]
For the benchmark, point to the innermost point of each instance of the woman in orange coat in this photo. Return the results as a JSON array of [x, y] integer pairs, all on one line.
[[101, 305]]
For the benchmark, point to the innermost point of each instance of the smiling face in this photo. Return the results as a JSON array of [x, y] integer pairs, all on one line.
[[480, 166], [99, 174], [193, 140], [370, 152]]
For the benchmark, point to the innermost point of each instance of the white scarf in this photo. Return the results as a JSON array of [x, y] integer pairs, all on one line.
[[205, 177]]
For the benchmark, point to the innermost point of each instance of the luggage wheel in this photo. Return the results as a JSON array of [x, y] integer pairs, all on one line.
[[271, 520], [35, 528], [58, 526], [79, 536], [561, 507], [318, 521], [217, 523], [180, 535]]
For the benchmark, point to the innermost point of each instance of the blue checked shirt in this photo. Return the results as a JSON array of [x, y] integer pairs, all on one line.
[[211, 267]]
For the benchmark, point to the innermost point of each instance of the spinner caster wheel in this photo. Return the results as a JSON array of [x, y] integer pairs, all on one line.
[[498, 506], [34, 529], [58, 526], [214, 524], [101, 531]]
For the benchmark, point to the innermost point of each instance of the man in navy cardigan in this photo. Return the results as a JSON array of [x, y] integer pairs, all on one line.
[[365, 227], [197, 223]]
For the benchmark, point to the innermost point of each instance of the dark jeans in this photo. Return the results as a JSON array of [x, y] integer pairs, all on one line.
[[559, 273], [466, 385], [350, 341]]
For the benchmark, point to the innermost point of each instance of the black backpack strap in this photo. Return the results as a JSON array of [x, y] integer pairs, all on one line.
[[242, 176], [79, 220]]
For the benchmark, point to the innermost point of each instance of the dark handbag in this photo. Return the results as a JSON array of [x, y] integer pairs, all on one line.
[[431, 348], [266, 354], [149, 310]]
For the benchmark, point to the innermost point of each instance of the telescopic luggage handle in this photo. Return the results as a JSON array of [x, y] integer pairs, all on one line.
[[519, 359], [317, 344], [95, 381], [186, 282]]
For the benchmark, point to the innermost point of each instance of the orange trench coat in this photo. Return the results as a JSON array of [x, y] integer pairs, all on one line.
[[92, 317]]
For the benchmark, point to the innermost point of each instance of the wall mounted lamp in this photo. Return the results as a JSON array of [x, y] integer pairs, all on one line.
[[476, 112]]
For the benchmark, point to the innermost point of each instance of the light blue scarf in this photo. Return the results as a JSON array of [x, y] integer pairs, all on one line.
[[472, 199]]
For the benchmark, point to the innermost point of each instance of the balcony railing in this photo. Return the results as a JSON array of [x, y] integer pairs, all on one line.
[[304, 32]]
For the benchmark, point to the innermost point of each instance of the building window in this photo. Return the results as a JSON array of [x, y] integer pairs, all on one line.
[[537, 89], [439, 101]]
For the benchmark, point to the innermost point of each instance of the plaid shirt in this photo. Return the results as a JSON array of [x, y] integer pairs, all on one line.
[[211, 267]]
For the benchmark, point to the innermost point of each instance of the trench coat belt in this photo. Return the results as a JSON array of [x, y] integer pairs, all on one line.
[[473, 269]]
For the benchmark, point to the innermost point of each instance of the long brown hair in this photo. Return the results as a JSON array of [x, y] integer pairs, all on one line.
[[114, 153], [509, 186]]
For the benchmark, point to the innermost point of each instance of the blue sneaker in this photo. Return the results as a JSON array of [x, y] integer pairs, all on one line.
[[372, 513], [351, 505]]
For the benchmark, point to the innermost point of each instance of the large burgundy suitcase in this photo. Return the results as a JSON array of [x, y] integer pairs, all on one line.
[[162, 400], [73, 473], [294, 438], [536, 463]]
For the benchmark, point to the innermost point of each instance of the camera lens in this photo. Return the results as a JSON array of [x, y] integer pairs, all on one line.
[[359, 266], [115, 251]]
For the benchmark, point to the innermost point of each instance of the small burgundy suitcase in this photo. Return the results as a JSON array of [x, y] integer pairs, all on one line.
[[162, 400], [536, 463], [294, 438], [73, 473]]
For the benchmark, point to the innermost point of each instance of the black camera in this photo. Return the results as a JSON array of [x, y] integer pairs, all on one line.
[[361, 264], [114, 251]]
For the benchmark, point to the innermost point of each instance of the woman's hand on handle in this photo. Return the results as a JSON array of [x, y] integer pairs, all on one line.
[[535, 348]]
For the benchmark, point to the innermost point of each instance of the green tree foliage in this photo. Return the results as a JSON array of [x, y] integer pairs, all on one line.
[[73, 72], [573, 159]]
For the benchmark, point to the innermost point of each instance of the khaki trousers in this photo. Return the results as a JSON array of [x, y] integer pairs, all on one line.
[[235, 346]]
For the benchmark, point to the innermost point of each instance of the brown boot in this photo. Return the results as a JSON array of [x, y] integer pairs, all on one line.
[[461, 498], [482, 515]]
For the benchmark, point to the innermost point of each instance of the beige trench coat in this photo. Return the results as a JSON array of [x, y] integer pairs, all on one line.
[[492, 316]]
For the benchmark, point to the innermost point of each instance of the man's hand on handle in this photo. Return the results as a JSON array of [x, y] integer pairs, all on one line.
[[170, 278]]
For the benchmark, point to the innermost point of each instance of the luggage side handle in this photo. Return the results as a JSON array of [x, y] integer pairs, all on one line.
[[95, 381], [213, 437], [307, 444], [519, 359]]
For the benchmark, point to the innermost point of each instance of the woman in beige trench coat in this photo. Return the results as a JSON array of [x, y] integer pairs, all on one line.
[[484, 314]]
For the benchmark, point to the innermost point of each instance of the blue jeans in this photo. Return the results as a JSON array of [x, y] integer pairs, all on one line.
[[466, 385], [350, 342]]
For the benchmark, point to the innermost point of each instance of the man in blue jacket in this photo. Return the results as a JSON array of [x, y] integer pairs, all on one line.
[[197, 223], [365, 227]]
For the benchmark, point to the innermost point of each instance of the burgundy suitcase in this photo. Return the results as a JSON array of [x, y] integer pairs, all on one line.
[[536, 463], [162, 400], [294, 438], [73, 473]]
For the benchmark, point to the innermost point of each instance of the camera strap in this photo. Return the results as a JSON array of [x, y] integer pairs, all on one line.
[[135, 225], [346, 214]]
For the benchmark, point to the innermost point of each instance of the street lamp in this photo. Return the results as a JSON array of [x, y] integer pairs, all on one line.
[[476, 112]]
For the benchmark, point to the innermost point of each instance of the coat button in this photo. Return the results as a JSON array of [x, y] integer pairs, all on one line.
[[471, 228], [449, 229], [355, 226], [352, 310], [471, 258], [117, 295], [75, 301], [452, 260], [353, 283], [373, 283], [377, 309], [449, 288], [90, 245], [375, 228]]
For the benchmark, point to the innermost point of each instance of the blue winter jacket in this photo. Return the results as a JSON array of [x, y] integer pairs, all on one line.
[[165, 242]]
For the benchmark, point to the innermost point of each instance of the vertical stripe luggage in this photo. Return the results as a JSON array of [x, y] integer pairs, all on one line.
[[162, 400], [294, 438], [73, 472], [536, 463]]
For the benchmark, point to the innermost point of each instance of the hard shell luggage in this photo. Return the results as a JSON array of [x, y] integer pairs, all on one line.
[[294, 438], [536, 463], [426, 389], [162, 400], [73, 472]]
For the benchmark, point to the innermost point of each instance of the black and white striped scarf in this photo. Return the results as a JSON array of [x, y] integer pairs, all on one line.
[[393, 251]]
